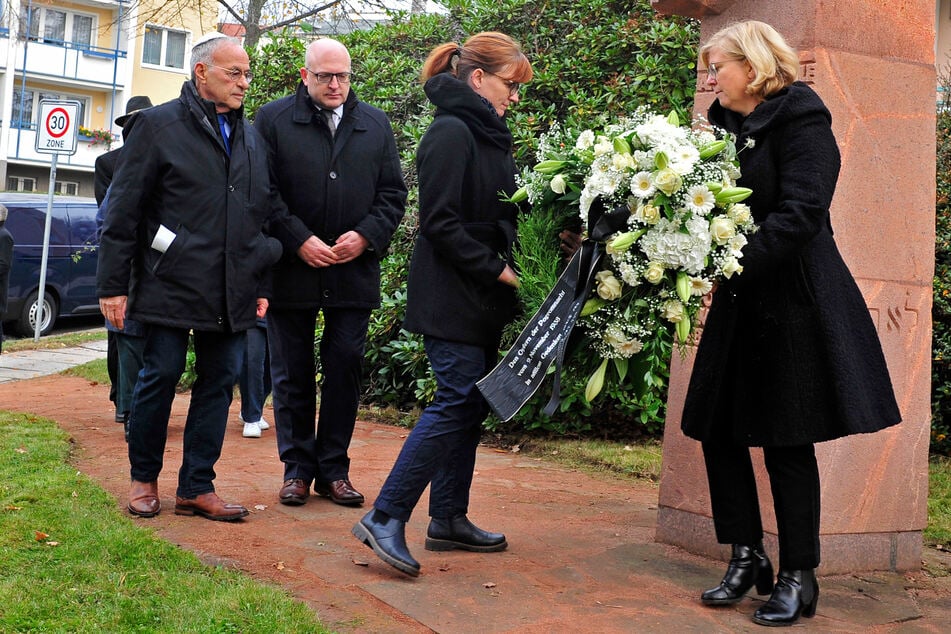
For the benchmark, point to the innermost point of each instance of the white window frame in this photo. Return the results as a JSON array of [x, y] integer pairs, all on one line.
[[21, 181], [67, 28], [46, 93], [69, 188], [163, 52]]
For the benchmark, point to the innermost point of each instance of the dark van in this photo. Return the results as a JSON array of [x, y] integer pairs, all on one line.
[[71, 267]]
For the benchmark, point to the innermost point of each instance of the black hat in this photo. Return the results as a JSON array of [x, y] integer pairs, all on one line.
[[135, 104]]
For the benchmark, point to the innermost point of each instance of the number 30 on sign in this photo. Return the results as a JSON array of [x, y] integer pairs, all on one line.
[[56, 129]]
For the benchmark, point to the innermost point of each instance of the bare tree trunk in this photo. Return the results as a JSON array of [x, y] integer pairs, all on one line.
[[419, 6]]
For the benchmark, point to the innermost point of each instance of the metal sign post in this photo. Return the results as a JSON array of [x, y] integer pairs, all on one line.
[[56, 133]]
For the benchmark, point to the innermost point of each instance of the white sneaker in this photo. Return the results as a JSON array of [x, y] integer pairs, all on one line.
[[251, 430], [263, 424]]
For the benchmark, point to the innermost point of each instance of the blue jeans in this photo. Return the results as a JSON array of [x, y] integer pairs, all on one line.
[[216, 364], [254, 381], [441, 448]]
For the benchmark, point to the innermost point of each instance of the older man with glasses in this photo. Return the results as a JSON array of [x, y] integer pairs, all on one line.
[[183, 252], [334, 161]]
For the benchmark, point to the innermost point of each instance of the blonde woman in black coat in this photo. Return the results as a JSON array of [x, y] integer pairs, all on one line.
[[789, 355]]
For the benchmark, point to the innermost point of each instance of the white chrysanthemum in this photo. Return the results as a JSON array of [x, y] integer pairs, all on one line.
[[683, 158], [585, 140], [603, 145], [699, 199], [642, 185]]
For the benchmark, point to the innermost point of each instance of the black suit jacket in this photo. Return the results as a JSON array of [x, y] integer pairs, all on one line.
[[105, 168]]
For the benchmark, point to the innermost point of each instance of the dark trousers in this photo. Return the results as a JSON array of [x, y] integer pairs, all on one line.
[[129, 351], [254, 380], [307, 454], [216, 365], [112, 367], [441, 448], [794, 482]]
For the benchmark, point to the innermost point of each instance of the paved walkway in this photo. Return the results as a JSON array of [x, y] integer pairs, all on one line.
[[581, 558], [29, 364]]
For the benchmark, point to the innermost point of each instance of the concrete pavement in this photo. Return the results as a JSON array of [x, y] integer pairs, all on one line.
[[29, 364]]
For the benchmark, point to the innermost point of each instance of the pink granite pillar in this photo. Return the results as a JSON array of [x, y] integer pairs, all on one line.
[[872, 62]]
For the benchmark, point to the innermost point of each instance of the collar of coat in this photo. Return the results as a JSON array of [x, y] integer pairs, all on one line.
[[205, 109], [792, 102], [305, 109], [455, 97]]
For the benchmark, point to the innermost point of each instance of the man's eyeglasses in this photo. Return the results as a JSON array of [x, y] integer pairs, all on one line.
[[326, 78], [234, 74], [513, 86]]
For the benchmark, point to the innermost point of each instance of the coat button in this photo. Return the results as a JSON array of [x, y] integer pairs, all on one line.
[[333, 176], [326, 293], [220, 320], [230, 188]]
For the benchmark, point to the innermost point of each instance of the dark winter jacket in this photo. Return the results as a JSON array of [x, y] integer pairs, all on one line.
[[466, 232], [332, 184], [789, 354], [175, 173]]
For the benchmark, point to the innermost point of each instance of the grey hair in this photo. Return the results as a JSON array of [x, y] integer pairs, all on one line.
[[206, 47], [3, 213]]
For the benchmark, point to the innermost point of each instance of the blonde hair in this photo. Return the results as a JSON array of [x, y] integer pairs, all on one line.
[[775, 63], [493, 52]]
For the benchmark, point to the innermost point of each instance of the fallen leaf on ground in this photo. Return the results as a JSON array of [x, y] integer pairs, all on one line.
[[360, 562], [260, 507], [40, 535], [10, 507], [52, 543], [488, 584], [279, 565]]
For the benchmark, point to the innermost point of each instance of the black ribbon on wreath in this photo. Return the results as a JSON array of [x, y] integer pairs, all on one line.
[[544, 338]]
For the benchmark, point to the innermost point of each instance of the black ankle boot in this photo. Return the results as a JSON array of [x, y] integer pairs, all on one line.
[[459, 532], [387, 537], [796, 594], [748, 566]]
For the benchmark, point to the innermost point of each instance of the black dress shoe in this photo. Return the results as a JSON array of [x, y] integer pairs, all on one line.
[[460, 533], [748, 566], [796, 594], [340, 492], [122, 417], [387, 537]]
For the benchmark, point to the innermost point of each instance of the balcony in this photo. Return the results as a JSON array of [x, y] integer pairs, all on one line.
[[21, 148], [87, 65]]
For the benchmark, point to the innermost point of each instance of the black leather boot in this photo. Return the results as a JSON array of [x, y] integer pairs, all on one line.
[[748, 566], [796, 594], [460, 533], [387, 537]]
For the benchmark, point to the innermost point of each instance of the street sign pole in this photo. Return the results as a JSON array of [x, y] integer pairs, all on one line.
[[55, 134]]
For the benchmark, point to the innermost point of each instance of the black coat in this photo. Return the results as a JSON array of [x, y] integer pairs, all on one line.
[[105, 168], [175, 172], [331, 185], [6, 263], [789, 354], [466, 232]]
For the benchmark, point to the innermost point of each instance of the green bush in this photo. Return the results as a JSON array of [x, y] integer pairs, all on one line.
[[941, 310]]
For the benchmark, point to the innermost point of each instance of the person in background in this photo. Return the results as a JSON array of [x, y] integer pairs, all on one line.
[[6, 262], [335, 164], [461, 291], [123, 347], [254, 381], [183, 252], [789, 355]]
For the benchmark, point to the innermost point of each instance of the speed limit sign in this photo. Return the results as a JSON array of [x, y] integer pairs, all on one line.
[[56, 130]]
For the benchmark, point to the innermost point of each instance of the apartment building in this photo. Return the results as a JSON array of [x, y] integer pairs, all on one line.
[[97, 52]]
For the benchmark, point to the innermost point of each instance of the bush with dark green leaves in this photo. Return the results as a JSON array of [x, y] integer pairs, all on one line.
[[941, 310], [593, 60]]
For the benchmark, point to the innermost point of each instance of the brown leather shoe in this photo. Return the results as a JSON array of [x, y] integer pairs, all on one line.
[[339, 491], [294, 492], [143, 499], [211, 506]]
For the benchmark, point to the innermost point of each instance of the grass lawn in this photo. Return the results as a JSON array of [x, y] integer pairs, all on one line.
[[71, 562]]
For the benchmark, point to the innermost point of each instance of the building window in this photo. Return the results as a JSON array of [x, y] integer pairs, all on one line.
[[27, 102], [50, 26], [163, 47], [69, 188], [21, 184]]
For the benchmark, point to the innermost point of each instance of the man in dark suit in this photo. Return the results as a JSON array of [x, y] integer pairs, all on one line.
[[6, 261], [334, 161], [123, 348]]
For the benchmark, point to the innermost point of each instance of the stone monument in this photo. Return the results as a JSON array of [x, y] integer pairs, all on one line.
[[873, 64]]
